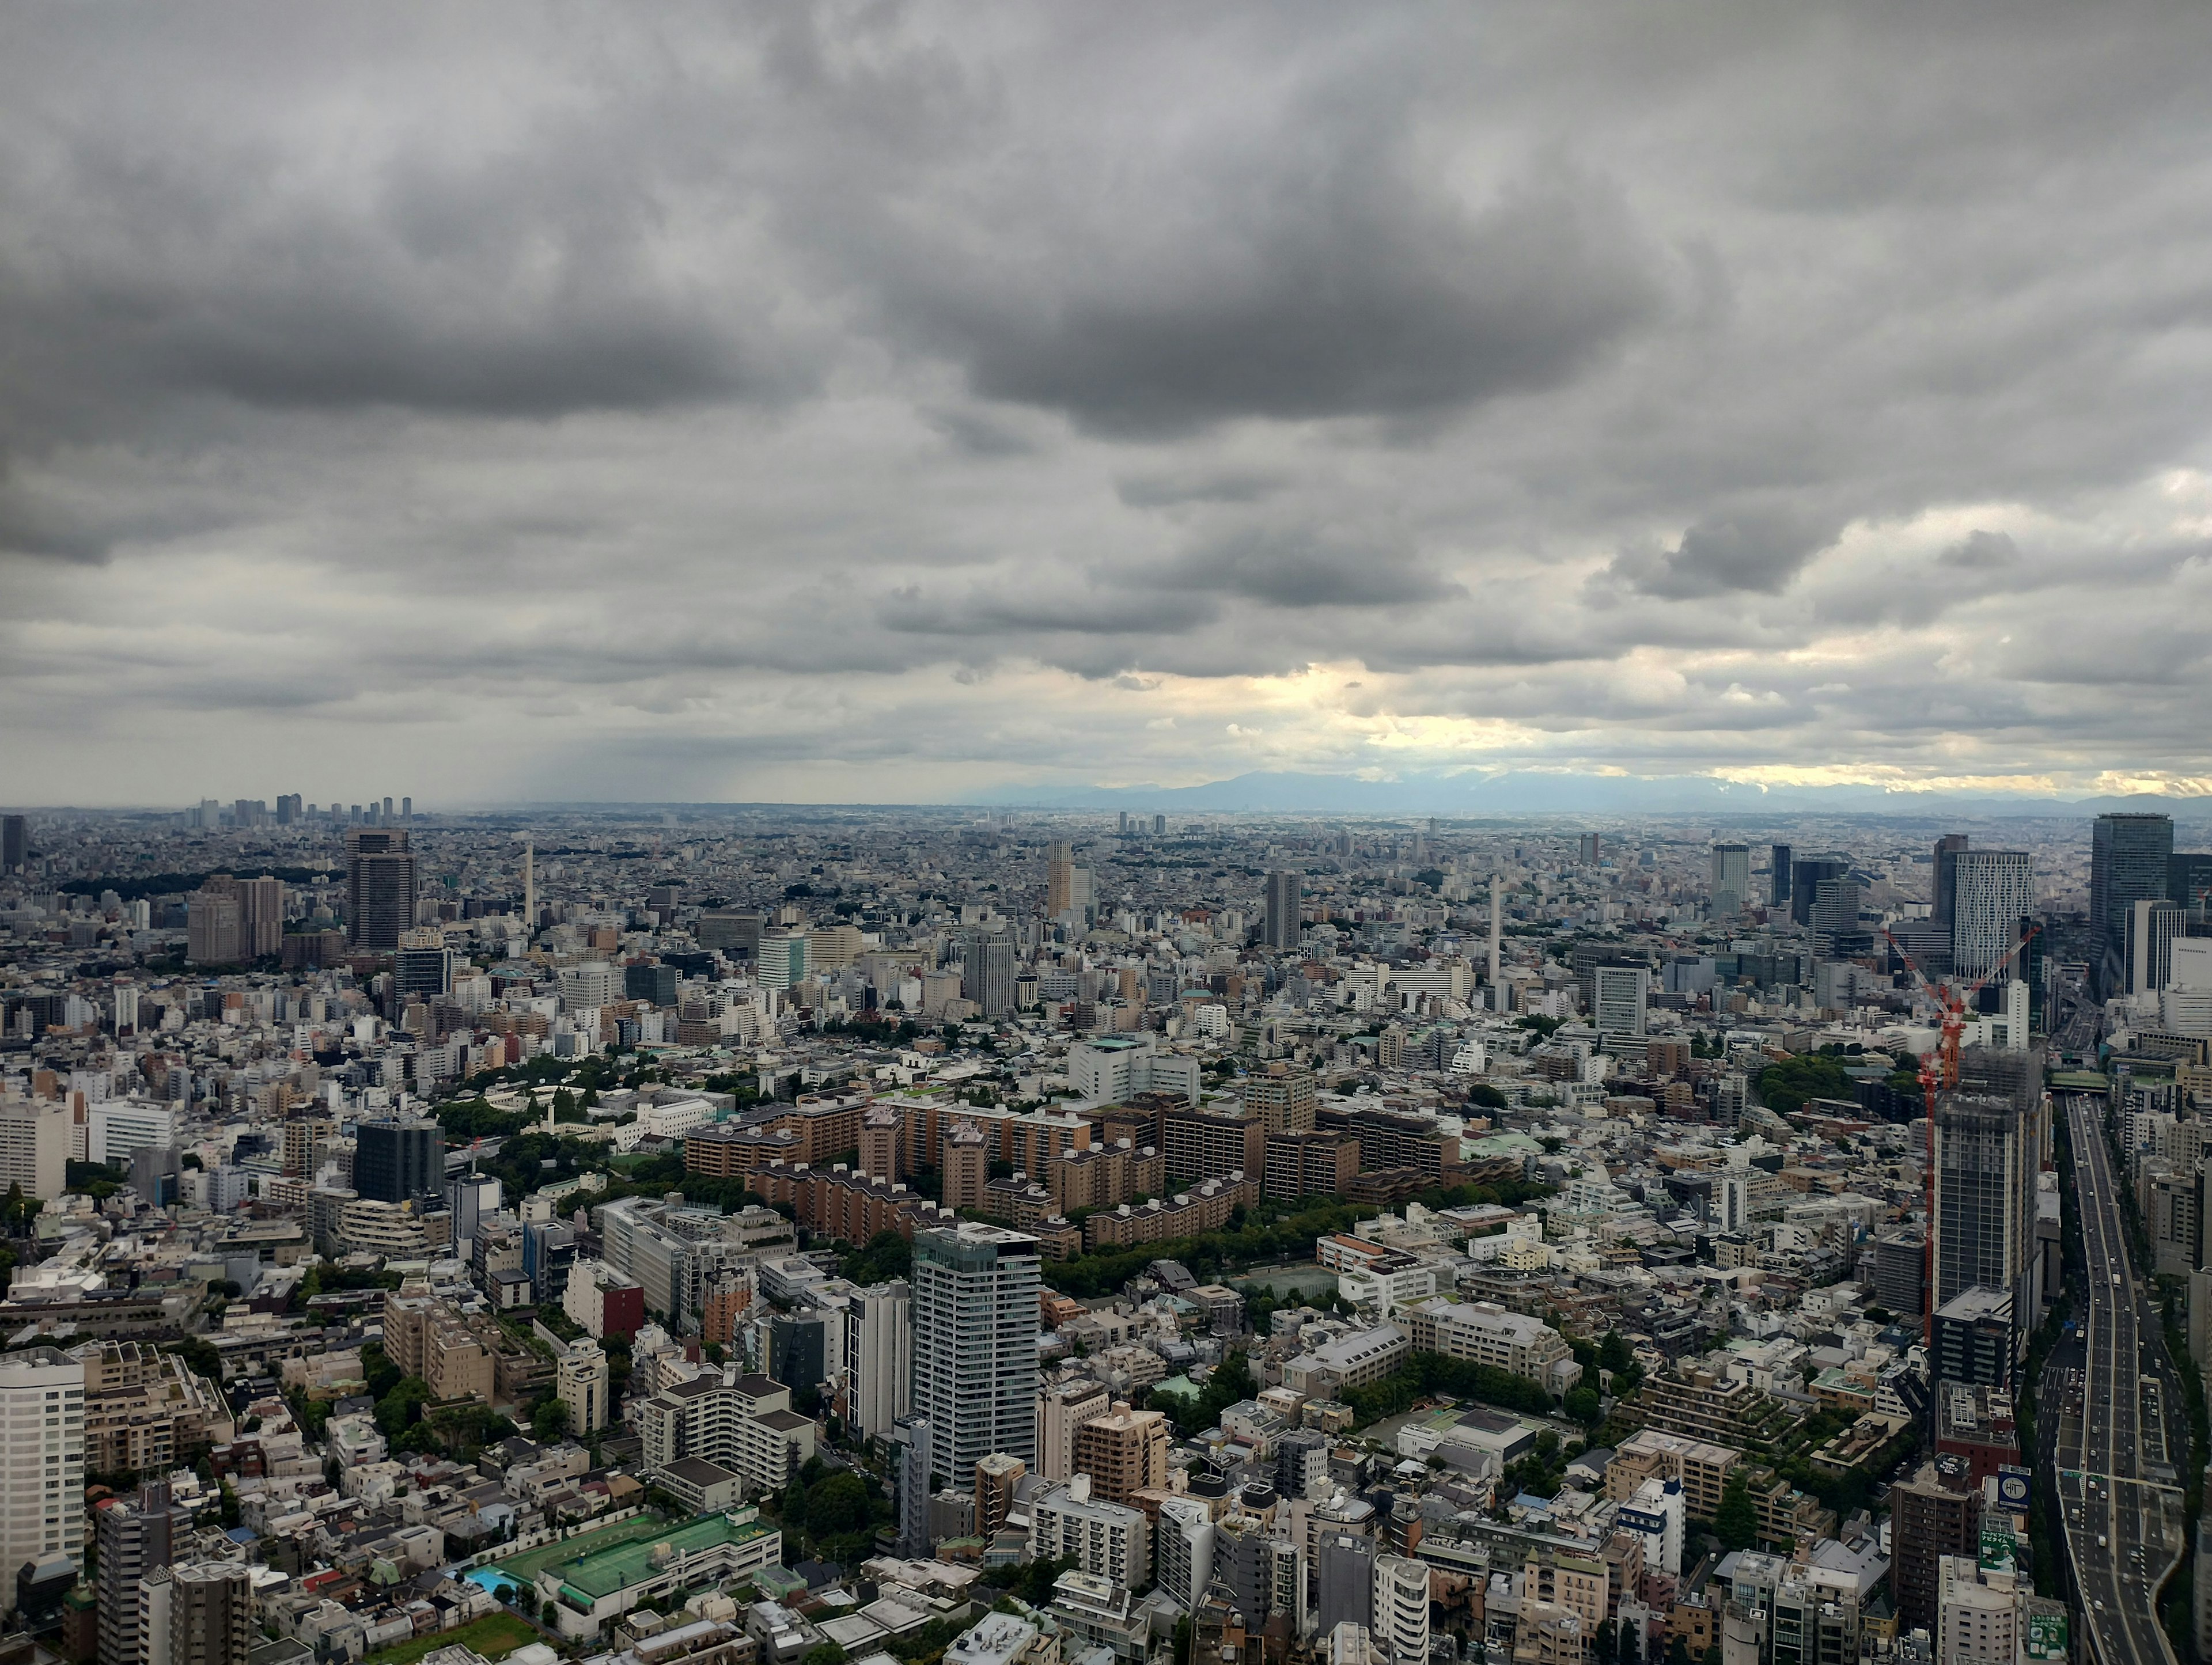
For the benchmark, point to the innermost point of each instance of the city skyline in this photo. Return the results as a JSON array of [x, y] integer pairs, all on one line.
[[918, 404]]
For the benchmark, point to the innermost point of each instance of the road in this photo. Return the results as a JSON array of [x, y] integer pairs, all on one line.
[[2118, 1488]]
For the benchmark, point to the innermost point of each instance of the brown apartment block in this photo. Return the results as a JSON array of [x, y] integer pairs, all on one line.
[[1310, 1165], [1124, 1452]]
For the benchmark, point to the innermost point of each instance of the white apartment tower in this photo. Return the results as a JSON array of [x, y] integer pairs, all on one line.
[[42, 1485], [976, 1342]]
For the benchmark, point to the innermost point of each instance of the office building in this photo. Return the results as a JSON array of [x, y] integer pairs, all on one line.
[[34, 1146], [136, 1535], [1942, 891], [1778, 880], [471, 1199], [989, 980], [2128, 859], [114, 1129], [42, 1486], [1974, 1339], [1285, 906], [795, 1349], [1731, 879], [1900, 1272], [1834, 914], [1985, 1165], [2189, 879], [420, 969], [2149, 935], [379, 888], [1989, 892], [15, 843], [398, 1161], [1400, 1625], [879, 1354], [976, 1327], [1624, 994], [1806, 873]]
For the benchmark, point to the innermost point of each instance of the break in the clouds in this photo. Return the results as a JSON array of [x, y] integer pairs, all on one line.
[[897, 401]]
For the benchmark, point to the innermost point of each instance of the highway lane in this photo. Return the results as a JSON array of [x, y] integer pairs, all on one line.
[[2116, 1479]]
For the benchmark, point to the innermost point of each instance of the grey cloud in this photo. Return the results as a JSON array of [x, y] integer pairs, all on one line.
[[1757, 551], [1981, 551], [1350, 285], [1322, 568]]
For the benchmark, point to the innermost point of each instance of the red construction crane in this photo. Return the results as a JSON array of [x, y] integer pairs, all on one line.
[[1939, 1072]]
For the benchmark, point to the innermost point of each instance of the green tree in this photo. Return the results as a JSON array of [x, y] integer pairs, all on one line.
[[548, 1419], [792, 1509], [1735, 1523], [824, 1653], [837, 1505], [401, 1408], [227, 1506], [1584, 1405]]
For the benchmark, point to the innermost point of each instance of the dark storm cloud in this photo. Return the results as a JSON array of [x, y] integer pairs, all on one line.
[[1981, 551], [1759, 550], [1347, 285]]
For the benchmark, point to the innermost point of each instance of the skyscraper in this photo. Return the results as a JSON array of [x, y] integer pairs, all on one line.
[[1731, 886], [1988, 892], [261, 917], [1059, 877], [2129, 856], [397, 1161], [1285, 899], [1941, 891], [42, 1484], [991, 973], [1779, 892], [135, 1538], [1986, 1157], [379, 888], [976, 1342], [15, 843], [1806, 872]]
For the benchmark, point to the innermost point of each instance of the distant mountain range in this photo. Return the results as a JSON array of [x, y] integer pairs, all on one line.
[[1519, 794]]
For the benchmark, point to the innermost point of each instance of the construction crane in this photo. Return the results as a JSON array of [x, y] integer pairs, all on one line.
[[1939, 1072]]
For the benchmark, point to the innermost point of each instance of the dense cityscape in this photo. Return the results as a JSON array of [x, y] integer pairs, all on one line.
[[695, 1236]]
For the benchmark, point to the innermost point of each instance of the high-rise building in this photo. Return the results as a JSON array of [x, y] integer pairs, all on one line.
[[917, 1465], [1623, 997], [1988, 892], [1778, 880], [424, 971], [379, 888], [198, 1613], [15, 843], [211, 935], [1286, 902], [42, 1484], [1834, 914], [880, 1357], [398, 1161], [2129, 858], [34, 1146], [1059, 877], [2189, 879], [1942, 889], [136, 1536], [990, 978], [1987, 1155], [1813, 1623], [261, 917], [1731, 878], [1593, 848], [976, 1342], [1806, 872]]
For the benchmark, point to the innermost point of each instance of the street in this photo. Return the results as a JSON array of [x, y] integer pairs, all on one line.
[[2119, 1484]]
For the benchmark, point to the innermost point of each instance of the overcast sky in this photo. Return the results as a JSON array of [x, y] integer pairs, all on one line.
[[886, 402]]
